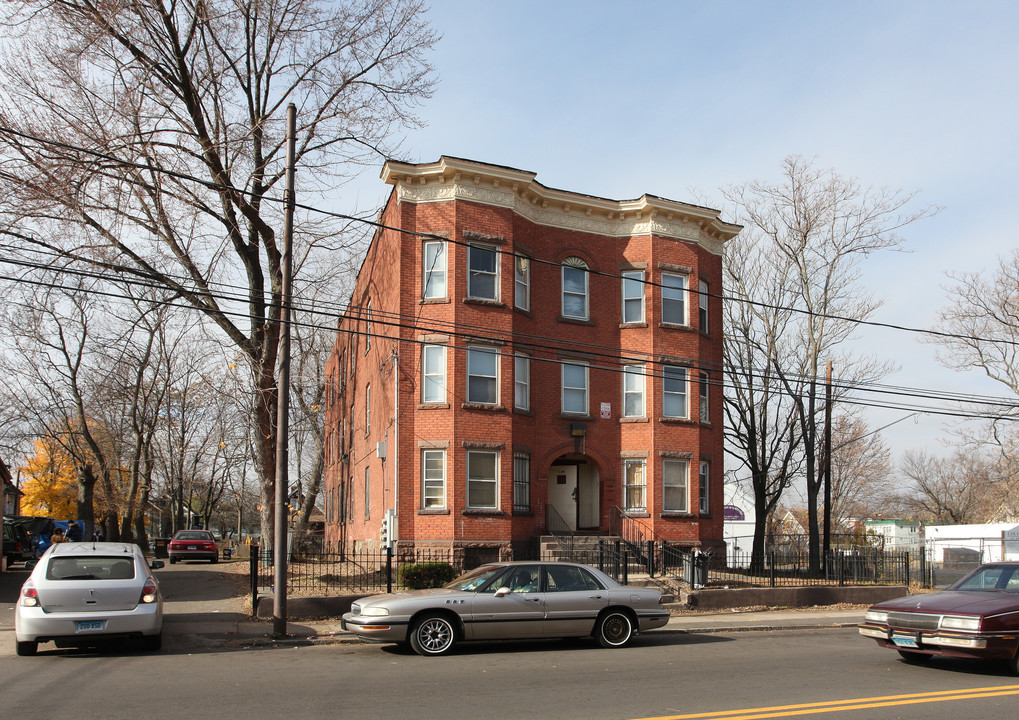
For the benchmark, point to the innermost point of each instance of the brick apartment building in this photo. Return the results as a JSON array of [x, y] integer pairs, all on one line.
[[516, 357]]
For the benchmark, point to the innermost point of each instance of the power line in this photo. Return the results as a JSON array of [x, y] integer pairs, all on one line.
[[212, 185]]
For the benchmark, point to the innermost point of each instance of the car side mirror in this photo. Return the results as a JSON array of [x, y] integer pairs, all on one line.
[[156, 564], [502, 592]]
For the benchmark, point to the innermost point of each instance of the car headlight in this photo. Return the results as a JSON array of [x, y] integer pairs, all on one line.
[[878, 616], [374, 611], [960, 623]]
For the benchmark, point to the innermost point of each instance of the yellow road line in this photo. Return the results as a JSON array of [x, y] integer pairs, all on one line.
[[855, 704]]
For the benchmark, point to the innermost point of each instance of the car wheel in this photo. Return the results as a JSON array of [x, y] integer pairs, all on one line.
[[153, 643], [27, 648], [1012, 664], [173, 561], [915, 658], [615, 629], [214, 560], [433, 635]]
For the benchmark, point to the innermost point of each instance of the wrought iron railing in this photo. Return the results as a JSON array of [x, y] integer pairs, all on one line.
[[557, 527]]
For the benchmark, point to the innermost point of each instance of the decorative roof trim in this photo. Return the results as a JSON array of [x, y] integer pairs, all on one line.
[[458, 179]]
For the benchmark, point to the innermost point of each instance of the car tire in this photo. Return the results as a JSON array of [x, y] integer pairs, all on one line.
[[1012, 664], [173, 561], [915, 658], [614, 629], [27, 648], [153, 643], [433, 635], [214, 560]]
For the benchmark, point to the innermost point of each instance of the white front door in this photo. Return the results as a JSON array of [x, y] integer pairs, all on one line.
[[562, 493], [588, 487]]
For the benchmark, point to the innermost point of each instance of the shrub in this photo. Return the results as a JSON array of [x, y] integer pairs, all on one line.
[[419, 576]]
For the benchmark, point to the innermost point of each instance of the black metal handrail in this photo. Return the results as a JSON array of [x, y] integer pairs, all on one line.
[[558, 528], [631, 532]]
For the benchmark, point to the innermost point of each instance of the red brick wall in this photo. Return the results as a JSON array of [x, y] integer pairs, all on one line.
[[391, 276]]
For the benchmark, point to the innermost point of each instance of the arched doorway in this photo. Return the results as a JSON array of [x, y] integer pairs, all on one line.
[[574, 491]]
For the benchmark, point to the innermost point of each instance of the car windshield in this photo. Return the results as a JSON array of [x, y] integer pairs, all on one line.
[[991, 577], [476, 579], [90, 568]]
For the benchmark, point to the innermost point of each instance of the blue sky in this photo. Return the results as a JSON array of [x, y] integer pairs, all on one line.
[[680, 98]]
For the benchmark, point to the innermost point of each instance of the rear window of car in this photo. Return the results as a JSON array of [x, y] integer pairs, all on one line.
[[90, 568], [570, 579], [193, 535]]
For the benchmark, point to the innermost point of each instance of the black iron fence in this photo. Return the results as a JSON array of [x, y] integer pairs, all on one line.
[[791, 568], [320, 573]]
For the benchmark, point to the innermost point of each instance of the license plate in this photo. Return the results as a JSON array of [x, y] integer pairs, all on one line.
[[86, 626], [192, 547], [904, 642]]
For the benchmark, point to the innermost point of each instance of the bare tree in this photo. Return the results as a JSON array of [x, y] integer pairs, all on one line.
[[951, 490], [861, 472], [820, 226], [761, 428], [148, 139]]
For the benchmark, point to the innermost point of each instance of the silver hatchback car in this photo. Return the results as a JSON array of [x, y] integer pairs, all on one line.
[[89, 593], [511, 600]]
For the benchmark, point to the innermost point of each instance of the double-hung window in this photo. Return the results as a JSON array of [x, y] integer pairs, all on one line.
[[482, 375], [704, 396], [367, 493], [702, 306], [521, 382], [482, 272], [433, 262], [703, 487], [633, 391], [433, 479], [674, 392], [367, 408], [522, 282], [433, 374], [575, 288], [368, 326], [674, 301], [633, 296], [634, 486], [676, 486], [521, 482], [482, 479], [574, 377]]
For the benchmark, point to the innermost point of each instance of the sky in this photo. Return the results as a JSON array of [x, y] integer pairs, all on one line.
[[680, 98]]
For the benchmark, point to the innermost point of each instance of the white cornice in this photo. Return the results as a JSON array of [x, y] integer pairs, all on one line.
[[458, 179]]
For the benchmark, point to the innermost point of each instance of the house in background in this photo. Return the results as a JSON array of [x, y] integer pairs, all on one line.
[[517, 359], [897, 534], [11, 493]]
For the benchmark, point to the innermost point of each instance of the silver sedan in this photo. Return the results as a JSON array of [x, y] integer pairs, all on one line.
[[510, 600], [89, 593]]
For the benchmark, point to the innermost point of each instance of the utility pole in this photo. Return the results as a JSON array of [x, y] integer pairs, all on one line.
[[279, 604], [826, 545]]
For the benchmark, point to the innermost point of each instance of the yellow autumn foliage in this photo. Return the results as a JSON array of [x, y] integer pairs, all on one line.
[[51, 489]]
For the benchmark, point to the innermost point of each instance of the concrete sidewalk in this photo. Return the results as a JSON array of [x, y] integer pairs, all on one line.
[[225, 623], [237, 631]]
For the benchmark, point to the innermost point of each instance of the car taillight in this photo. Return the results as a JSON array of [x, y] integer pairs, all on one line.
[[149, 591], [29, 596]]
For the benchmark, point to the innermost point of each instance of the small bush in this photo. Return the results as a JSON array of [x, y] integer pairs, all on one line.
[[419, 576]]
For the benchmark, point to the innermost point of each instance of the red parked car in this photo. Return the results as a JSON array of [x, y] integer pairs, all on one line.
[[193, 545], [977, 617]]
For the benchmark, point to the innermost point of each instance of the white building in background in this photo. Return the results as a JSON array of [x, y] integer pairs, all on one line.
[[989, 542], [900, 535], [738, 527]]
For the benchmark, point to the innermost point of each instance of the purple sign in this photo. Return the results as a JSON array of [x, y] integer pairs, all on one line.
[[731, 512]]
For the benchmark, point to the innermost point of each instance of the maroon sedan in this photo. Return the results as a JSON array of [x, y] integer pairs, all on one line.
[[977, 617], [193, 545]]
